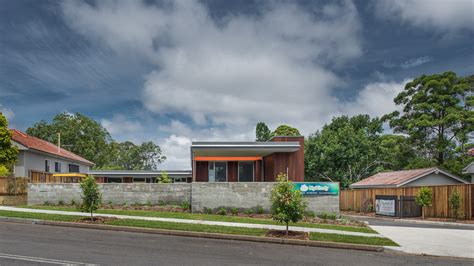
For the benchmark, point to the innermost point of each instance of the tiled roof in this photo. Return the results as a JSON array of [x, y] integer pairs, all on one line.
[[392, 179], [41, 145]]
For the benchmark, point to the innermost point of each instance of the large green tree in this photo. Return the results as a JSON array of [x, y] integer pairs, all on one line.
[[285, 130], [437, 115], [8, 153], [262, 132], [128, 156], [345, 150], [79, 134]]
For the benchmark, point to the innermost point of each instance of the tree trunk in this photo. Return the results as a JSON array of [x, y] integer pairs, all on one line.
[[286, 229], [92, 217], [422, 212]]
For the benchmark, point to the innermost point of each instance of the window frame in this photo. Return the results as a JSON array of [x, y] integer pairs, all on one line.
[[57, 167], [47, 166], [253, 171], [214, 169]]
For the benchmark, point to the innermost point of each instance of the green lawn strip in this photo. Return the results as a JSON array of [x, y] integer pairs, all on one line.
[[190, 227], [202, 228], [40, 216], [365, 240], [211, 217]]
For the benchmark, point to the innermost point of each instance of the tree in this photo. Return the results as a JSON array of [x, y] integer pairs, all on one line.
[[150, 155], [4, 170], [8, 152], [79, 134], [345, 150], [164, 178], [424, 199], [128, 156], [455, 203], [287, 203], [262, 132], [285, 130], [437, 114], [91, 196]]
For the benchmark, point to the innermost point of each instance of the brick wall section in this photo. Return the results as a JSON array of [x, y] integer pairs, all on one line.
[[209, 195]]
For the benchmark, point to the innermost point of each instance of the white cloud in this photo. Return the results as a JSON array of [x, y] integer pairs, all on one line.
[[7, 112], [119, 124], [442, 15], [376, 99], [274, 66], [414, 62]]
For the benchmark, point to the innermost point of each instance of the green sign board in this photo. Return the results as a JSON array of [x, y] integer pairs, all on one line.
[[317, 188]]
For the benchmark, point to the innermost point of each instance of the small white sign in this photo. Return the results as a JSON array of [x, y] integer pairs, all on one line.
[[385, 207]]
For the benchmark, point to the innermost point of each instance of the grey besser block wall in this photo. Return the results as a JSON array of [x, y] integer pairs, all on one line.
[[200, 195], [115, 193]]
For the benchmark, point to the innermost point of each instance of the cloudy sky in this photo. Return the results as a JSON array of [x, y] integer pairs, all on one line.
[[177, 71]]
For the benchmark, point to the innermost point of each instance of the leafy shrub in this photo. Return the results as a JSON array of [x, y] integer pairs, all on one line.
[[164, 178], [234, 211], [327, 216], [287, 203], [207, 210], [259, 210], [222, 211], [109, 202], [424, 198], [185, 205], [161, 203], [60, 202], [4, 170], [73, 202], [455, 203], [47, 203], [310, 214], [248, 211], [148, 203]]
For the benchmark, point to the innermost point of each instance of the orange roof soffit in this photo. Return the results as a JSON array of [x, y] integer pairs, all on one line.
[[202, 158]]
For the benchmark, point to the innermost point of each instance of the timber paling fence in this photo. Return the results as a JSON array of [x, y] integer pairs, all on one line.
[[360, 200]]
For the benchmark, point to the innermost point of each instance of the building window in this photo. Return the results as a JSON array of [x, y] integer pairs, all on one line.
[[73, 168], [246, 171], [217, 171], [139, 180], [46, 166], [114, 180], [57, 167]]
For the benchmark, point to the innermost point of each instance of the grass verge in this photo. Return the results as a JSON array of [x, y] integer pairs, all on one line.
[[365, 240], [210, 217], [376, 241]]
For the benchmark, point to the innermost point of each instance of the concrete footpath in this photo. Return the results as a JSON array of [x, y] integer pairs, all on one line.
[[245, 225], [430, 241]]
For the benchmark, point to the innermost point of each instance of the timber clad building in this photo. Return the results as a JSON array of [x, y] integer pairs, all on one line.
[[248, 161]]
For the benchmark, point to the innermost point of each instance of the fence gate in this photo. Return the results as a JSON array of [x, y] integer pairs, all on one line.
[[397, 206]]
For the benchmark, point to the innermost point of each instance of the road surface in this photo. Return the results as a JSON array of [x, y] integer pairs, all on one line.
[[26, 244]]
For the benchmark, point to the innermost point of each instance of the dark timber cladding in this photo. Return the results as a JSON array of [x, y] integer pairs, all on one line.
[[280, 162]]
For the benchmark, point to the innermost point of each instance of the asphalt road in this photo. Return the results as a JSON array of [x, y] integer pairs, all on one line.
[[26, 244]]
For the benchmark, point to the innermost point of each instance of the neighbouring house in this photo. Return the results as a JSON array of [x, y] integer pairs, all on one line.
[[470, 170], [37, 156], [409, 178], [139, 176], [248, 161]]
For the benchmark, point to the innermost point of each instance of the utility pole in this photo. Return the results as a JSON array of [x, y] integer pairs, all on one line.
[[59, 142]]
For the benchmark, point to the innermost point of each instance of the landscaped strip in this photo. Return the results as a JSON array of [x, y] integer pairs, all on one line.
[[375, 241], [210, 217]]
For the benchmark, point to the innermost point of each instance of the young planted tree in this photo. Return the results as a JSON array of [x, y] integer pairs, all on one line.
[[91, 196], [164, 178], [287, 203], [424, 198], [455, 203]]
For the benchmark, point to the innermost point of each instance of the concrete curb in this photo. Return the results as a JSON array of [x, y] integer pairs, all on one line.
[[409, 221], [198, 234]]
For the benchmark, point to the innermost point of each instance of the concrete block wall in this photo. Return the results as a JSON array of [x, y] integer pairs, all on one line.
[[39, 193], [200, 195]]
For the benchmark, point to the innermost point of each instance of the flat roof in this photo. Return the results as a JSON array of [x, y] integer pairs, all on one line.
[[238, 148], [139, 173]]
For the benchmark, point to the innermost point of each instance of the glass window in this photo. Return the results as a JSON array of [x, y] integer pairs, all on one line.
[[46, 166], [217, 171], [73, 168], [139, 180], [114, 180], [246, 171], [57, 167]]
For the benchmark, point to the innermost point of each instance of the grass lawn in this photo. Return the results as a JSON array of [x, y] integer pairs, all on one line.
[[374, 241], [210, 217], [202, 228]]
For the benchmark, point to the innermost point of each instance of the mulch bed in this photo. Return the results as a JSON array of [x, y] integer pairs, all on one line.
[[291, 234], [96, 220], [158, 208]]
